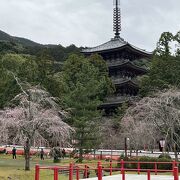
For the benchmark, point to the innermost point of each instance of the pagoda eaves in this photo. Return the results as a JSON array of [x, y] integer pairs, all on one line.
[[126, 82], [127, 64], [113, 44]]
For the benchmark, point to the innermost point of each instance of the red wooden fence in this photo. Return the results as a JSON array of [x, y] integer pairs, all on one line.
[[99, 168]]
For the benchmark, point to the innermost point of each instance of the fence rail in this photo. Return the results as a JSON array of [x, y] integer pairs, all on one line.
[[75, 170]]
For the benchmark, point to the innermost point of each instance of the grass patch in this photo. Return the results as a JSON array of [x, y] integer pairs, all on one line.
[[14, 168]]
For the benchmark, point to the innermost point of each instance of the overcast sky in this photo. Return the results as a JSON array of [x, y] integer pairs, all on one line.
[[89, 22]]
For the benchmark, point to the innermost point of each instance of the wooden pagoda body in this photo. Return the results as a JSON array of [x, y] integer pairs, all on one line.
[[121, 58]]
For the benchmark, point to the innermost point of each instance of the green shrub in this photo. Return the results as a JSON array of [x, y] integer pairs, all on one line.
[[57, 160], [147, 165], [167, 156], [133, 165], [122, 157], [164, 166]]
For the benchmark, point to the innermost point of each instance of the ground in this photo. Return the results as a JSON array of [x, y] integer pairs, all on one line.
[[14, 169], [137, 177]]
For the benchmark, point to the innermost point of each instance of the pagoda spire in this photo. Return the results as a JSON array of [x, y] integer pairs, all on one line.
[[117, 19]]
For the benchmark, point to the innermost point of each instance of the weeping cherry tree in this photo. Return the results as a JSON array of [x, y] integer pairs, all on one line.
[[34, 117]]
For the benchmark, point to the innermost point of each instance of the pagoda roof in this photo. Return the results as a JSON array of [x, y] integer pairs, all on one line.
[[126, 82], [116, 103], [113, 44], [128, 64], [112, 104]]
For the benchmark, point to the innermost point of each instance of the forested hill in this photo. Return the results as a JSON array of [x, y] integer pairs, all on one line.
[[19, 45], [32, 63], [23, 41]]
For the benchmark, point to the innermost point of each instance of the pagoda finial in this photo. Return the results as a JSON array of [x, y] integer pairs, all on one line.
[[117, 18]]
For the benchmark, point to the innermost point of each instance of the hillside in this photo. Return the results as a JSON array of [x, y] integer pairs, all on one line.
[[23, 41], [4, 36], [59, 53]]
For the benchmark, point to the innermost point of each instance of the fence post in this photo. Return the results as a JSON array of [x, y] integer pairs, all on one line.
[[155, 168], [100, 172], [70, 171], [37, 169], [77, 173], [110, 168], [173, 165], [98, 164], [55, 173], [122, 166], [85, 171], [139, 167], [148, 175], [176, 173], [123, 174]]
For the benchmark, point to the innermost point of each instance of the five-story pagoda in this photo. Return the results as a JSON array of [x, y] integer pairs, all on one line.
[[122, 59]]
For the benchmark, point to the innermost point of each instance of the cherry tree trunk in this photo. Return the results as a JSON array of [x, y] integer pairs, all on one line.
[[27, 155]]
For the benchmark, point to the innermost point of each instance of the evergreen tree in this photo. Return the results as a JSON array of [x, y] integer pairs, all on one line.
[[24, 67], [165, 68], [163, 46], [84, 86]]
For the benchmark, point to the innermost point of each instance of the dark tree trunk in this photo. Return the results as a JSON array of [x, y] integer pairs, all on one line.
[[175, 152], [130, 154], [94, 154], [80, 155], [81, 143], [27, 155], [136, 152]]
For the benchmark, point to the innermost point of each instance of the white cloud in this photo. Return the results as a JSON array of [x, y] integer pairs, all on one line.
[[88, 22]]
